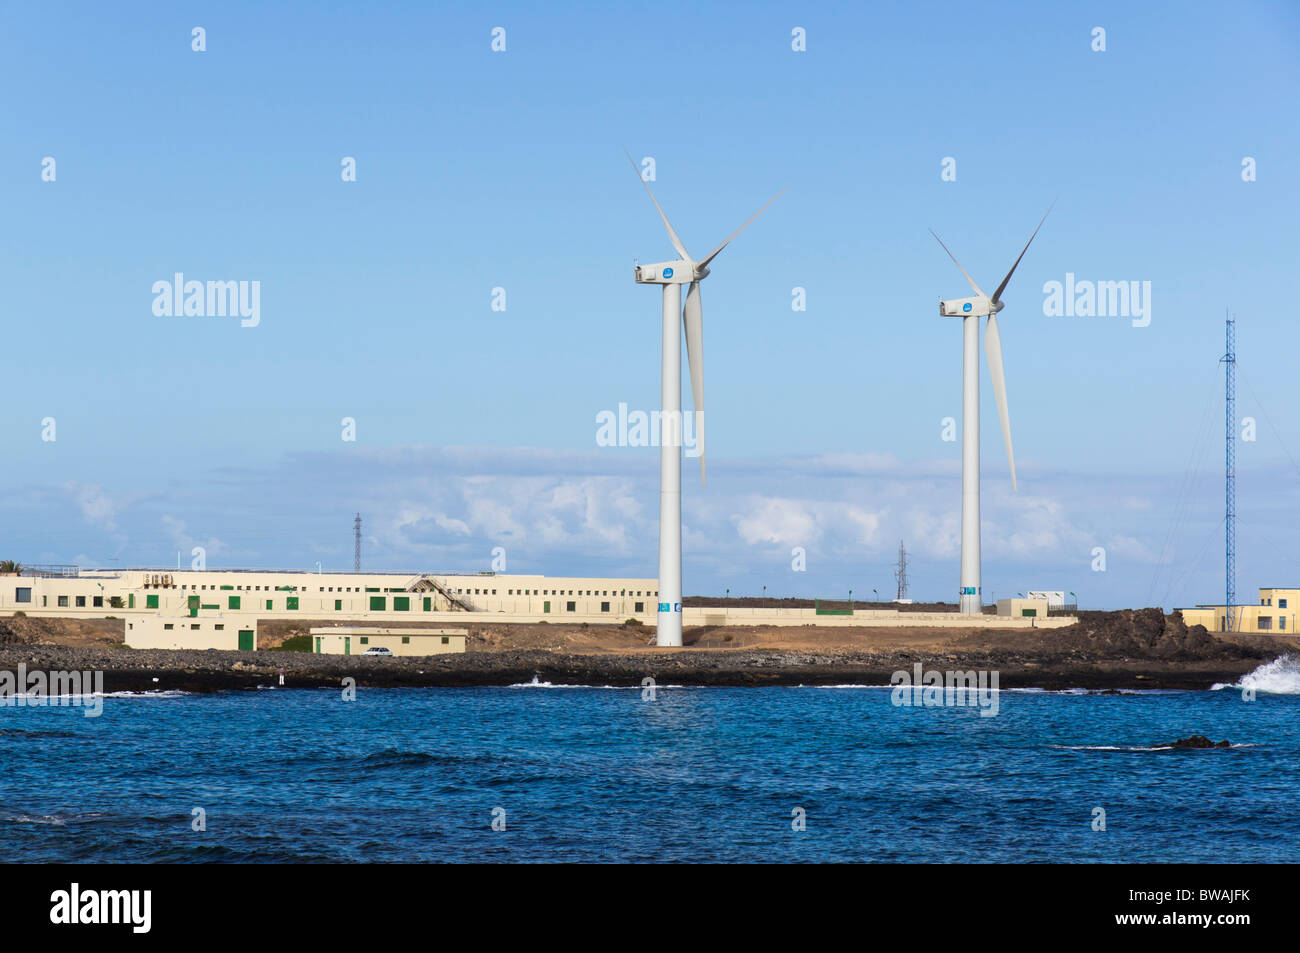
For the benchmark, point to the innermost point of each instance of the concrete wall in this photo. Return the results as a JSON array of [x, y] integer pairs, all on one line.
[[697, 616]]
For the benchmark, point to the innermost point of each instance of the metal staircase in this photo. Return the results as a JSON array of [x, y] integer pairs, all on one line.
[[426, 583]]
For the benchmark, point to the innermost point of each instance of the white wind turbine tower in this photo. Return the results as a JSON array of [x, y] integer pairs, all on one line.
[[672, 275], [970, 310]]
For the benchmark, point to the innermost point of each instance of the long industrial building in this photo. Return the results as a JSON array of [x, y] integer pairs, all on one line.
[[72, 592], [192, 609]]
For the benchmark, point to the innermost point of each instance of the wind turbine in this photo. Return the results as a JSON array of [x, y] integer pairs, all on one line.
[[970, 310], [672, 275]]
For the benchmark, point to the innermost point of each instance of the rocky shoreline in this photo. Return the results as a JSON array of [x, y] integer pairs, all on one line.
[[160, 670], [1140, 649]]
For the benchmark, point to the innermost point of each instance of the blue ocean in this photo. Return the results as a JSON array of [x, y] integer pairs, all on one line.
[[547, 773]]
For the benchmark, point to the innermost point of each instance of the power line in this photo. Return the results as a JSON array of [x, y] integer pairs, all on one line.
[[1187, 492], [1272, 426]]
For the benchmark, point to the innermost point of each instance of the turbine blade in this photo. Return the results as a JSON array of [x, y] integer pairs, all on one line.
[[714, 254], [694, 321], [997, 295], [672, 235], [993, 350], [969, 279]]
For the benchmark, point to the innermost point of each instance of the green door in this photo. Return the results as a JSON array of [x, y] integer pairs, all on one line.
[[193, 603], [347, 645], [546, 607], [318, 645], [245, 640]]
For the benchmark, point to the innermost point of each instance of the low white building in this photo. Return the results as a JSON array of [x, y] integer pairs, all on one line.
[[356, 639], [190, 632], [1023, 608], [1055, 598]]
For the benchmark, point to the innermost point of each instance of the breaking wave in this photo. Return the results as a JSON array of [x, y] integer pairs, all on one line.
[[1278, 677]]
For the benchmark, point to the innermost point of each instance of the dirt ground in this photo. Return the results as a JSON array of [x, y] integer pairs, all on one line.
[[21, 630], [621, 639]]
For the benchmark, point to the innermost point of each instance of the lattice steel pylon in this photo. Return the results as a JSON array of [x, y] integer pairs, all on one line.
[[356, 552], [1229, 361], [900, 574]]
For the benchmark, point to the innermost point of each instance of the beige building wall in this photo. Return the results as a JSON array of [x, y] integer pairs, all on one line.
[[1023, 608], [184, 632], [384, 596], [355, 640], [238, 599], [1277, 613]]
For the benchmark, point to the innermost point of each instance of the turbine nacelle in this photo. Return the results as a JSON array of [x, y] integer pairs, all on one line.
[[669, 273], [977, 306]]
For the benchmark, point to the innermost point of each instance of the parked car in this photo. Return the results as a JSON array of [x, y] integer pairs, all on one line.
[[377, 650]]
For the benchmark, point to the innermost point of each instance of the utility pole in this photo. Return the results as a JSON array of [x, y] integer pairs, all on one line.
[[1229, 362], [900, 574], [356, 552]]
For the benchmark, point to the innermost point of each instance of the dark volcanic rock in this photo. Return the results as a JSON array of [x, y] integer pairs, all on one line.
[[1149, 633], [1196, 741]]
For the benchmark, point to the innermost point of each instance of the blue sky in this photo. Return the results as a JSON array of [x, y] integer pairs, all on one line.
[[476, 170]]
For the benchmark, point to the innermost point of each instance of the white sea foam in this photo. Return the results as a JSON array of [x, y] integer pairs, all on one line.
[[536, 683], [1279, 677], [163, 693], [33, 819]]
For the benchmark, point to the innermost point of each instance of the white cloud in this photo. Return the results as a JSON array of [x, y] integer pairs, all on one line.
[[97, 507], [597, 512]]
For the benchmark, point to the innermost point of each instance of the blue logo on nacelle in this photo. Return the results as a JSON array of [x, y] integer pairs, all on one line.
[[966, 306], [668, 272]]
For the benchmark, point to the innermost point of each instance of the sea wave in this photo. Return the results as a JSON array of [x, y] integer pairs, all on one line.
[[398, 757], [1278, 677], [1144, 748], [157, 693], [53, 820]]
